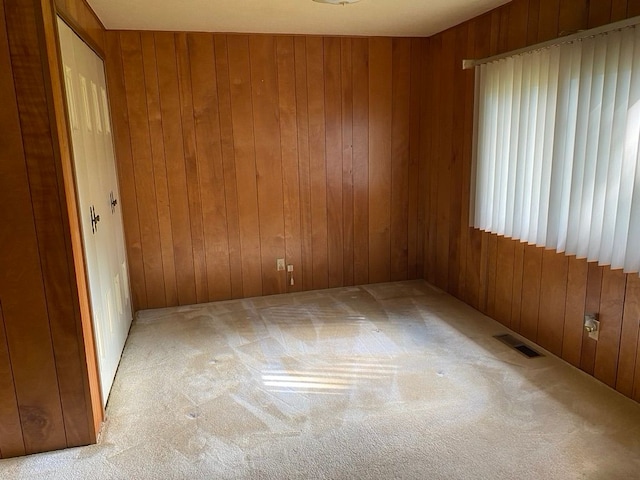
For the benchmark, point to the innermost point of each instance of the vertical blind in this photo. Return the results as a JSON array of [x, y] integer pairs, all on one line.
[[556, 148]]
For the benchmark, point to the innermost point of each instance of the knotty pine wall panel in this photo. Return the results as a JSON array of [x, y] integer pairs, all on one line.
[[538, 293], [235, 150]]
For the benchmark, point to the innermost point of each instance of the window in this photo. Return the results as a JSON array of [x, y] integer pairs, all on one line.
[[556, 148]]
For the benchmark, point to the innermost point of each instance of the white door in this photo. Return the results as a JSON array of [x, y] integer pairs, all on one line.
[[98, 201]]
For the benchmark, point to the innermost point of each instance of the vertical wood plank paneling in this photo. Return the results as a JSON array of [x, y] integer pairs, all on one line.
[[11, 442], [548, 19], [41, 387], [414, 159], [143, 168], [458, 146], [380, 122], [518, 22], [304, 165], [347, 159], [191, 168], [618, 10], [445, 163], [244, 147], [210, 166], [518, 278], [491, 273], [592, 305], [573, 16], [424, 148], [633, 8], [553, 295], [400, 131], [264, 89], [289, 148], [333, 149], [504, 281], [152, 90], [433, 160], [532, 19], [229, 165], [611, 310], [167, 73], [574, 311], [126, 171], [629, 336], [599, 13], [317, 160], [531, 274], [360, 65]]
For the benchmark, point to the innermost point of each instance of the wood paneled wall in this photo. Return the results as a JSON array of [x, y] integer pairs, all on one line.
[[45, 398], [236, 150], [538, 293]]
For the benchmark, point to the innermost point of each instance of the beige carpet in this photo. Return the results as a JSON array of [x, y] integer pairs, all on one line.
[[385, 381]]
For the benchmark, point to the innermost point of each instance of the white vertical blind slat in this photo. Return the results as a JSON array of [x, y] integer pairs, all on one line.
[[557, 138]]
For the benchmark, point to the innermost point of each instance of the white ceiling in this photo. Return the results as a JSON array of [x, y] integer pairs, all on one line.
[[366, 18]]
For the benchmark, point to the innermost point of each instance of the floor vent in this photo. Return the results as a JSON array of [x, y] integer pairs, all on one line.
[[518, 345]]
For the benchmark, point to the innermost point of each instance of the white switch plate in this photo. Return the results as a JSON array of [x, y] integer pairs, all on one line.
[[280, 264]]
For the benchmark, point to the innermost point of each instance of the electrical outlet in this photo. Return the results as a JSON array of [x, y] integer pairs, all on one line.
[[289, 268], [592, 325], [280, 264]]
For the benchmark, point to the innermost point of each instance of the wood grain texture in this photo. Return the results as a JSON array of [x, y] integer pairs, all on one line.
[[574, 311], [540, 294], [611, 310], [45, 348], [629, 335], [242, 149]]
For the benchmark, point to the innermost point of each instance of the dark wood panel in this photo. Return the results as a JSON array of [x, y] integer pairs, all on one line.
[[333, 151], [229, 165], [360, 65], [264, 90], [346, 73], [573, 16], [574, 311], [400, 131], [194, 190], [553, 295], [504, 282], [618, 10], [11, 442], [317, 160], [611, 310], [592, 305], [210, 165], [40, 386], [380, 129], [156, 132], [599, 13], [145, 192], [289, 147], [304, 166], [629, 336], [413, 194], [548, 19], [244, 147]]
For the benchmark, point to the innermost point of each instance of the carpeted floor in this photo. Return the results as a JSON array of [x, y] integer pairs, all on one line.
[[385, 381]]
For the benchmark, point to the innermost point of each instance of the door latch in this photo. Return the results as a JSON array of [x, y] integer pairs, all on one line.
[[94, 219], [113, 201]]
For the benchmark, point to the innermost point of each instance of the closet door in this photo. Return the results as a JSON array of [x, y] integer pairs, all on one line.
[[98, 201]]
